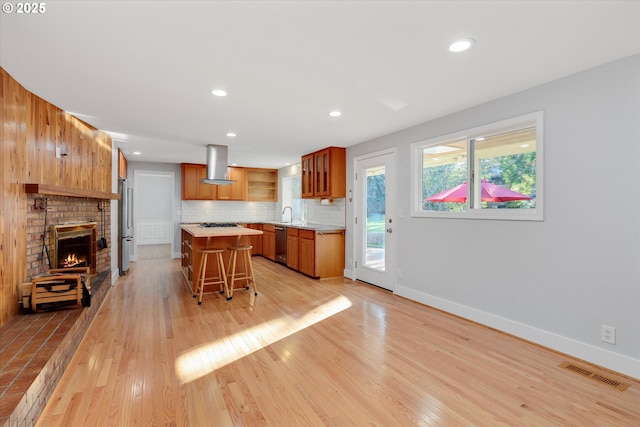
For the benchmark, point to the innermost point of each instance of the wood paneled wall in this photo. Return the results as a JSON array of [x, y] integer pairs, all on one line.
[[32, 129]]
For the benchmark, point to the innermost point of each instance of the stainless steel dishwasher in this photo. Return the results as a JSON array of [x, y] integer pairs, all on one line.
[[281, 244]]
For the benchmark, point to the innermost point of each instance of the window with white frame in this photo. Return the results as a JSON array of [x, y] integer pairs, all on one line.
[[292, 197], [491, 172]]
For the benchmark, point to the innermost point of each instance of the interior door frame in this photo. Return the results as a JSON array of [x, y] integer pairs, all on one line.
[[391, 209], [138, 190]]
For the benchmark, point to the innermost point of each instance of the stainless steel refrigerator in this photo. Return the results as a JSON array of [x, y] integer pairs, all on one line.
[[126, 225]]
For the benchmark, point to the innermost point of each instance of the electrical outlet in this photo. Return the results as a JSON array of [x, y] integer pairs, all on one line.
[[608, 334]]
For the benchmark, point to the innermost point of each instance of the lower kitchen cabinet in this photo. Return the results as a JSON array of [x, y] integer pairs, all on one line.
[[307, 254], [256, 241], [269, 241], [292, 247], [321, 253], [318, 254]]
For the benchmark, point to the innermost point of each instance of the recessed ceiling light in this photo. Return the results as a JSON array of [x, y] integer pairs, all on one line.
[[219, 92], [335, 114], [461, 45], [231, 134], [137, 153]]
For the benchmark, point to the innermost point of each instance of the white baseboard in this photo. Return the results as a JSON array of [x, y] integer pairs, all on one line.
[[598, 356], [349, 274], [115, 273]]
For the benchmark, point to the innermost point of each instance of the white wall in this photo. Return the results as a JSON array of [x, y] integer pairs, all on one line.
[[552, 282]]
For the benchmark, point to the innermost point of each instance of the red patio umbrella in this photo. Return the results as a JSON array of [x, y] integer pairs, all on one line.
[[490, 193]]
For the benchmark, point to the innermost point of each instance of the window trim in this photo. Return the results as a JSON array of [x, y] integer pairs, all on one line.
[[527, 120]]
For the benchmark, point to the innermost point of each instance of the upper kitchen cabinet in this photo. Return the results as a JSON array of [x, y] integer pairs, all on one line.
[[122, 165], [237, 190], [192, 188], [324, 173], [250, 184], [262, 185], [307, 176]]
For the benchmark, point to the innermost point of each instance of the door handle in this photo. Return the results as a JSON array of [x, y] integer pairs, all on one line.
[[389, 230]]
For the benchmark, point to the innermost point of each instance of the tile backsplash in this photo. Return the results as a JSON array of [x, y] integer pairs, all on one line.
[[224, 211], [333, 214]]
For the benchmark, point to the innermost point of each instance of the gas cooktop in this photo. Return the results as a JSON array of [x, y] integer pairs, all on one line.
[[217, 224]]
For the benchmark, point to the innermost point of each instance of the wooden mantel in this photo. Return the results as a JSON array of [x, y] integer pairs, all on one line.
[[69, 192]]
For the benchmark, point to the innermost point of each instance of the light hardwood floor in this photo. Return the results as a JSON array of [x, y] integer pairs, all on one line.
[[312, 353]]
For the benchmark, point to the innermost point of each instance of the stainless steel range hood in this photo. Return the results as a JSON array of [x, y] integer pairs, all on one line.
[[217, 165]]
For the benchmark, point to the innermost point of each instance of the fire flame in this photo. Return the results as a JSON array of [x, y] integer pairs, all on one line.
[[71, 261]]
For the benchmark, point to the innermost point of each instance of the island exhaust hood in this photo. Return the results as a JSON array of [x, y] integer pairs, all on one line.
[[217, 165]]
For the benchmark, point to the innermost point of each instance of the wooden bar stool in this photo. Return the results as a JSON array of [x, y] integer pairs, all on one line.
[[219, 279], [248, 269]]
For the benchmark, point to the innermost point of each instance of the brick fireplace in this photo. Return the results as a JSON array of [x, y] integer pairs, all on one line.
[[64, 215], [73, 245]]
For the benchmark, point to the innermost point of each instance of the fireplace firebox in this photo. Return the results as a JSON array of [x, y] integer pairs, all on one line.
[[73, 245]]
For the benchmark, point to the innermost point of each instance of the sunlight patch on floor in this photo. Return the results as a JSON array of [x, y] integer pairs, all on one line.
[[203, 360]]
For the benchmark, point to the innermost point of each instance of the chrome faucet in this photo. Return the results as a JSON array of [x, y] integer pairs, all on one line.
[[285, 208]]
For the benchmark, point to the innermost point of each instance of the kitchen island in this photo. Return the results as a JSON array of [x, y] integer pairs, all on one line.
[[195, 238]]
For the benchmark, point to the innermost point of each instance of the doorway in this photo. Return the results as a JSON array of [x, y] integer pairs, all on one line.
[[153, 208], [374, 207]]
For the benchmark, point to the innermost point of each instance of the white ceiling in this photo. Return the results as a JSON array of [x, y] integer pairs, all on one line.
[[145, 68]]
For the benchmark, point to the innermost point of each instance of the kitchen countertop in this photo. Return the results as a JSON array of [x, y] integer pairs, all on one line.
[[306, 226], [197, 231], [295, 224]]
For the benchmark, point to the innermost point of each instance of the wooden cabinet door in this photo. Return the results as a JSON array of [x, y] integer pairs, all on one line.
[[307, 177], [122, 165], [336, 166], [324, 173], [292, 248], [190, 175], [256, 240], [269, 242], [307, 256], [205, 191], [269, 246], [237, 190], [321, 173], [192, 188], [330, 178], [329, 254]]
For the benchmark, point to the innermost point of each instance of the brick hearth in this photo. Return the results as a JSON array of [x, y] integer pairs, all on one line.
[[35, 349]]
